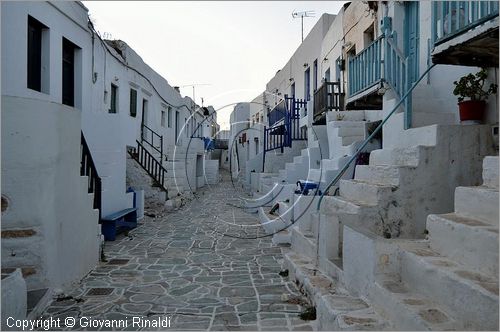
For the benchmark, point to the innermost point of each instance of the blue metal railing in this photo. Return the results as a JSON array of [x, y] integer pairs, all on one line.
[[395, 68], [280, 135], [452, 18], [277, 113], [293, 105], [365, 68], [369, 138]]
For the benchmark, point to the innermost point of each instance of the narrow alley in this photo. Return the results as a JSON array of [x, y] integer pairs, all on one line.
[[199, 266]]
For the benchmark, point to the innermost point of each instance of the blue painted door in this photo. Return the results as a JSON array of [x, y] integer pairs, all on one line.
[[411, 38]]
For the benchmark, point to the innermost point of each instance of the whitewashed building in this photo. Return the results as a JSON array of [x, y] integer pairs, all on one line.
[[403, 231], [49, 221], [73, 106]]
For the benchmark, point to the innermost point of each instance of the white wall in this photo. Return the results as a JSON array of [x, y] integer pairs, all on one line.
[[308, 51], [41, 179], [239, 120]]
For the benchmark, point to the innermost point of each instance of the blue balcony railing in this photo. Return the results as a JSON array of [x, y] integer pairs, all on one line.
[[395, 68], [365, 68], [452, 18], [277, 113]]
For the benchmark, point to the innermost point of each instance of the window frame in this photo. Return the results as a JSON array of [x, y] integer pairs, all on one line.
[[113, 100], [133, 102]]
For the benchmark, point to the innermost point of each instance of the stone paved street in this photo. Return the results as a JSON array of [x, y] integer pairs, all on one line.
[[193, 266]]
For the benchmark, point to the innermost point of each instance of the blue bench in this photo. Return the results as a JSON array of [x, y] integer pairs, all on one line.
[[118, 222]]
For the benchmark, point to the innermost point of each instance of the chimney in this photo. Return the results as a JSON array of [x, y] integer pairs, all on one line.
[[176, 88]]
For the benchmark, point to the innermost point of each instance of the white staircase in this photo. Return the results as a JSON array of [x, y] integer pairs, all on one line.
[[450, 281]]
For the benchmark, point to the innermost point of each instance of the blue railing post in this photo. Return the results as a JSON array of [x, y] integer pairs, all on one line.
[[407, 107]]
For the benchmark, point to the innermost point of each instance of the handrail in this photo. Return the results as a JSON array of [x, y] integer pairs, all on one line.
[[153, 135], [396, 65], [369, 138], [149, 163], [88, 168]]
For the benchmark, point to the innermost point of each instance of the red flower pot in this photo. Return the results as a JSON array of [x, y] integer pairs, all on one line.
[[471, 110]]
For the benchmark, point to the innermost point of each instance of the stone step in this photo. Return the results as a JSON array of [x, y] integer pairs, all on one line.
[[271, 223], [304, 242], [298, 159], [467, 241], [490, 172], [283, 237], [389, 175], [340, 205], [285, 211], [350, 131], [478, 203], [346, 116], [361, 191], [336, 310], [345, 123], [348, 140], [453, 286], [406, 309], [400, 156]]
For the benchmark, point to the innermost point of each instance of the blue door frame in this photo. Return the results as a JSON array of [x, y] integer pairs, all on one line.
[[411, 38]]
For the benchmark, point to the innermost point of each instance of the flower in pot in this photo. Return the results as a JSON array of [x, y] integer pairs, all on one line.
[[472, 87]]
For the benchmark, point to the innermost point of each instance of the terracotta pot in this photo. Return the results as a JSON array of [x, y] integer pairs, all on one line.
[[471, 110]]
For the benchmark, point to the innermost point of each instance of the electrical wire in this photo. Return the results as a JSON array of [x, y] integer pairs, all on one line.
[[105, 46]]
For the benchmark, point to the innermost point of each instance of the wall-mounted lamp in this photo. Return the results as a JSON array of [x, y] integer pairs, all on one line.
[[306, 65], [291, 79]]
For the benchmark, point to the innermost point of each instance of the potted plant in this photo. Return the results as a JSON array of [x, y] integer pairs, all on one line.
[[471, 86]]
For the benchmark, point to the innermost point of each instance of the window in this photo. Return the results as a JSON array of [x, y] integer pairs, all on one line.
[[35, 55], [163, 118], [292, 89], [262, 118], [369, 36], [133, 102], [315, 75], [114, 93], [307, 84], [327, 75], [68, 73], [169, 117]]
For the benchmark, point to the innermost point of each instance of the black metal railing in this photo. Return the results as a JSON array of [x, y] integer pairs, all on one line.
[[328, 98], [87, 168], [152, 138], [275, 137], [149, 163]]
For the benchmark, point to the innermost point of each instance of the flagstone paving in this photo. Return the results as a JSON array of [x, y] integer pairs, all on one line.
[[204, 266]]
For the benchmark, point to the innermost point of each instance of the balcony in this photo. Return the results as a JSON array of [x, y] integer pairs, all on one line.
[[277, 113], [365, 69], [327, 98], [465, 33]]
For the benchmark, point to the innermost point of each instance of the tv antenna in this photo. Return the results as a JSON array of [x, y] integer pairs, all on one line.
[[307, 13], [193, 86]]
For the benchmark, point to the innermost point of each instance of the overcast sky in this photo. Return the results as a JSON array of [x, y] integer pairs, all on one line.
[[236, 47]]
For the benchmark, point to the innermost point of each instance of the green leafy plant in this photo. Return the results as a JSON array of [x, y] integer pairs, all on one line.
[[472, 86]]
